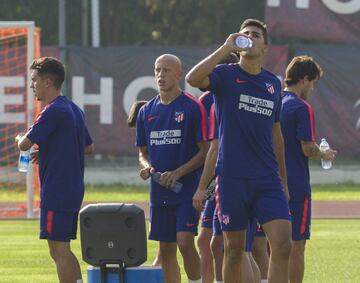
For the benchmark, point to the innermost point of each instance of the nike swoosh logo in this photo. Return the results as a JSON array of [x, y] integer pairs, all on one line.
[[152, 118], [206, 219], [190, 225], [238, 81]]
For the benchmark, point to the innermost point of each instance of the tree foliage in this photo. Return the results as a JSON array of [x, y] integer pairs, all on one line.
[[140, 22]]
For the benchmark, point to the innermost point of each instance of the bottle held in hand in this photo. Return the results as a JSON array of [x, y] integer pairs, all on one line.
[[176, 188], [24, 160], [325, 164], [243, 42]]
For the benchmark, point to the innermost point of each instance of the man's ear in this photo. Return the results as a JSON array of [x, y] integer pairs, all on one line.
[[306, 78], [48, 82], [265, 49]]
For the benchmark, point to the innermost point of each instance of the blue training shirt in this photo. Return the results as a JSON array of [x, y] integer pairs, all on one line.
[[171, 133], [207, 100], [297, 124], [61, 134], [247, 106]]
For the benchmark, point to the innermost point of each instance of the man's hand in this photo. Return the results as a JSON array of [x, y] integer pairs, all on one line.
[[169, 178], [329, 154], [18, 137], [145, 172], [198, 199], [230, 42], [34, 156]]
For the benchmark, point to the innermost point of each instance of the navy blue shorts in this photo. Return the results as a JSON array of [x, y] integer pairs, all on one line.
[[300, 219], [239, 199], [208, 213], [250, 231], [58, 225], [166, 221]]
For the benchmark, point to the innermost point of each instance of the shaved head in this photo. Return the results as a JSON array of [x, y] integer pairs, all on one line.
[[168, 73], [170, 59]]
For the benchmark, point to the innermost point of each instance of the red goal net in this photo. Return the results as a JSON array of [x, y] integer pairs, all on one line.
[[19, 45]]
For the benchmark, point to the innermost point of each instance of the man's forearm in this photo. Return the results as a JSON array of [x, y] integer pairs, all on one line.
[[202, 70]]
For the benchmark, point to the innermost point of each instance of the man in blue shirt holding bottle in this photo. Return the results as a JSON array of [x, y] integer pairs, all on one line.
[[251, 167], [63, 139], [298, 128], [171, 133]]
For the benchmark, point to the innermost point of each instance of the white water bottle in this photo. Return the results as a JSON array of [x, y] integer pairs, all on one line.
[[176, 188], [24, 160], [325, 164], [243, 42]]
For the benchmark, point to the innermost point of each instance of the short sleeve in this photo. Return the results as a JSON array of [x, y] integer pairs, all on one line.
[[140, 128], [199, 119], [215, 79], [44, 125], [88, 139], [305, 124]]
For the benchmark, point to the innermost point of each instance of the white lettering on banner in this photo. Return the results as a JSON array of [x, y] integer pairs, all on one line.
[[349, 7], [11, 99], [256, 105], [356, 105], [300, 4], [336, 6], [165, 137], [104, 99], [134, 88]]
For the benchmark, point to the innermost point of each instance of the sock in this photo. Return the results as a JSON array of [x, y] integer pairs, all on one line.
[[219, 281], [194, 281], [264, 281], [79, 281]]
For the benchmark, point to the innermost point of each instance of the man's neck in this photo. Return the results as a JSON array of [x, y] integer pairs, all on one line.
[[251, 66], [166, 97], [294, 90], [52, 96]]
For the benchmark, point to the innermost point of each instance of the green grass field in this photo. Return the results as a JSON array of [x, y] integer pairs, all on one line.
[[127, 194], [332, 255]]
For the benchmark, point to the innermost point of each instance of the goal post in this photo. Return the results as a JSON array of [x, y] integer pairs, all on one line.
[[19, 45]]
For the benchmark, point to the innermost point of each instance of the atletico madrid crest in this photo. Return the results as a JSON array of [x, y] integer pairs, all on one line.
[[225, 219], [179, 116], [270, 88]]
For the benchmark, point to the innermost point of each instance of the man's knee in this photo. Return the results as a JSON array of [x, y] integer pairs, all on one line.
[[56, 252], [203, 241], [282, 247], [298, 248], [185, 242], [216, 246]]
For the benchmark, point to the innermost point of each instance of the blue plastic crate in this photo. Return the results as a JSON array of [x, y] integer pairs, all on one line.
[[140, 274]]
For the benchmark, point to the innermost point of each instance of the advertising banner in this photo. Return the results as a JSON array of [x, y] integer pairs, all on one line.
[[334, 21]]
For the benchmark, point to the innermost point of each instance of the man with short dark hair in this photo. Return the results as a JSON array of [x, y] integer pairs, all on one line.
[[63, 139], [251, 167], [298, 127]]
